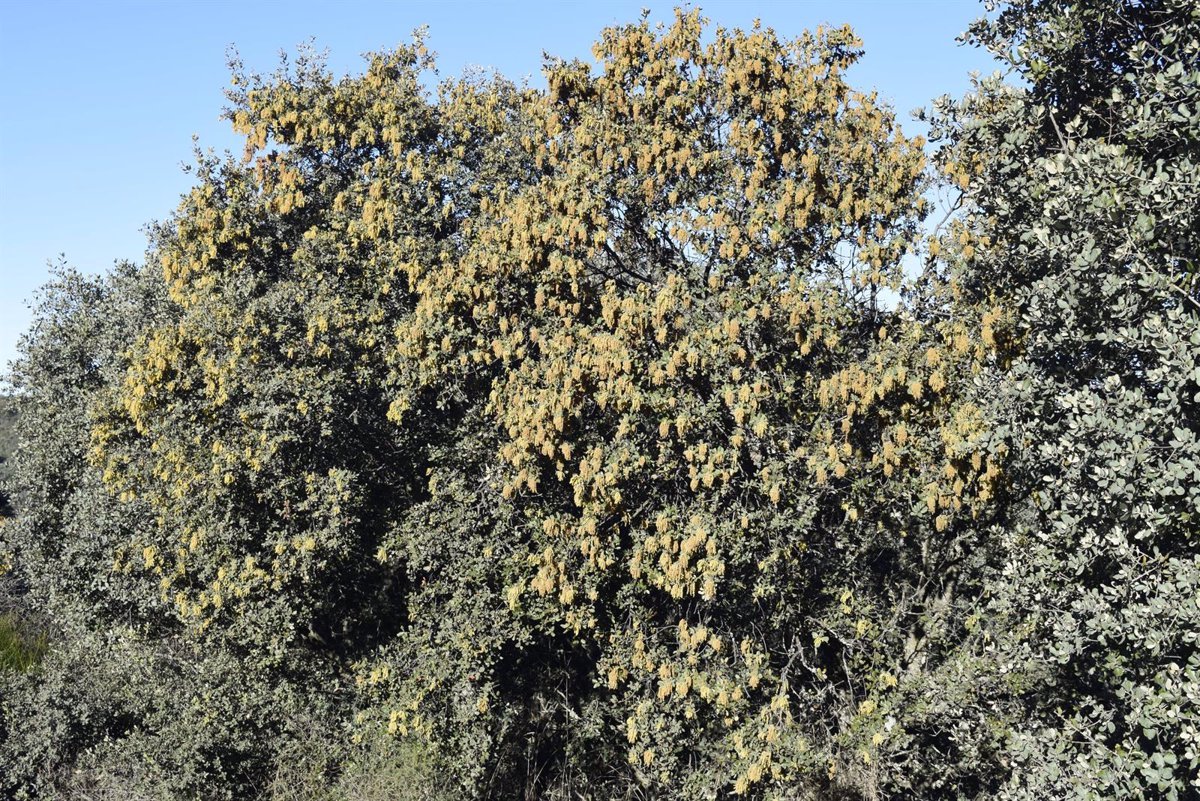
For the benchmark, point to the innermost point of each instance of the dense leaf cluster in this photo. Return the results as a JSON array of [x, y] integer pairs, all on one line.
[[8, 446], [1083, 189], [573, 443]]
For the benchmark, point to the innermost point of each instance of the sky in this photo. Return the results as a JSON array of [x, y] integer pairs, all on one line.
[[100, 100]]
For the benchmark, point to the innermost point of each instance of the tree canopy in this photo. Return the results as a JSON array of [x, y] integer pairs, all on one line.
[[637, 437]]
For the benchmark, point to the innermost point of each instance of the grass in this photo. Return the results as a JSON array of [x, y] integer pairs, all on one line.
[[19, 650]]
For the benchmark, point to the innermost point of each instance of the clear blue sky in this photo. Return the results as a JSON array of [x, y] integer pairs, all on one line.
[[99, 100]]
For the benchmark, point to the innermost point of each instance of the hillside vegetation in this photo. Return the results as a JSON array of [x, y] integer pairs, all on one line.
[[571, 444]]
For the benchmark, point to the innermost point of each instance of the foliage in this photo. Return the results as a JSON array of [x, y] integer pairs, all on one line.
[[664, 327], [1080, 191], [8, 445], [496, 442]]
